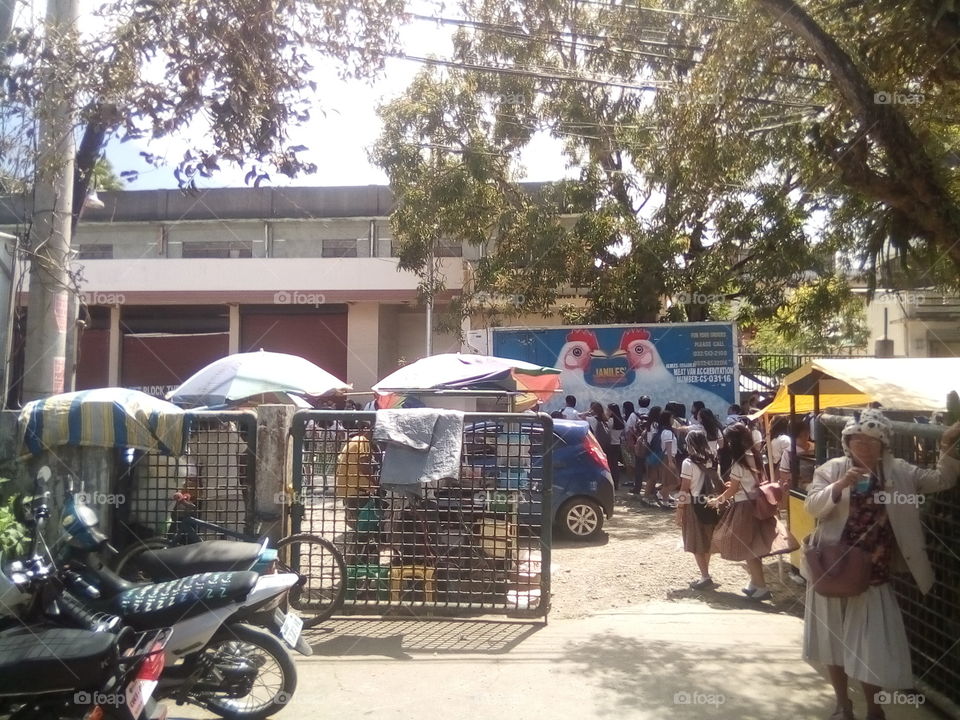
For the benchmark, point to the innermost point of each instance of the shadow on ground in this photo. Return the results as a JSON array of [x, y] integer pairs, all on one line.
[[739, 682], [398, 638]]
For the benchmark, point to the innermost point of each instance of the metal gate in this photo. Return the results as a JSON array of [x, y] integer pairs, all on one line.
[[218, 470], [932, 620], [476, 541]]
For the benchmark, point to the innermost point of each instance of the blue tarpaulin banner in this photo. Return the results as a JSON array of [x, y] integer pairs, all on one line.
[[676, 362]]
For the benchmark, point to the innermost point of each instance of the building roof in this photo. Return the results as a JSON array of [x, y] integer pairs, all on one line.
[[229, 204]]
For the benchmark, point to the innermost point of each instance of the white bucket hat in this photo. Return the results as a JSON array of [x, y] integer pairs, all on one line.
[[872, 423]]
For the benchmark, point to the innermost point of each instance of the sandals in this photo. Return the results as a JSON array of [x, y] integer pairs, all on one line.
[[846, 713]]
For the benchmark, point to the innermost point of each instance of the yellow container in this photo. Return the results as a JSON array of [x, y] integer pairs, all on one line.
[[802, 524], [498, 538], [415, 573]]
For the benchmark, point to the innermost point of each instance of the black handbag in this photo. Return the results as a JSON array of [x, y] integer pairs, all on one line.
[[711, 487]]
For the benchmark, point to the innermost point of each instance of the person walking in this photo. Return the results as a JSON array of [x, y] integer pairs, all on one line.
[[629, 437], [699, 478], [645, 423], [569, 410], [712, 427], [871, 500], [661, 471], [615, 420], [739, 535]]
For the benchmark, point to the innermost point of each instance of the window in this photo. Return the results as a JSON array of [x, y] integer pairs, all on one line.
[[216, 249], [444, 248], [339, 248], [95, 252]]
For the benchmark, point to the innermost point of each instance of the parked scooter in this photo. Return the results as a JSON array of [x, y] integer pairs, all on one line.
[[85, 547], [212, 658], [48, 671]]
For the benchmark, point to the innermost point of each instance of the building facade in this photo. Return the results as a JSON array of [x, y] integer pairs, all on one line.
[[172, 281]]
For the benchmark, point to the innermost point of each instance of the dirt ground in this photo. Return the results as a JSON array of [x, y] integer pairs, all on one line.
[[641, 559]]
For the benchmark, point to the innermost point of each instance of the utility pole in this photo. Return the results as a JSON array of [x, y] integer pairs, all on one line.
[[49, 301], [430, 301], [6, 18]]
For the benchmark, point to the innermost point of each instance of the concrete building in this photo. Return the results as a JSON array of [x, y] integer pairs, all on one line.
[[918, 323], [172, 281]]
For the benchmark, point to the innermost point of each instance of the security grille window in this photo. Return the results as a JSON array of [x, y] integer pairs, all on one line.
[[214, 249], [339, 248], [95, 252], [444, 248]]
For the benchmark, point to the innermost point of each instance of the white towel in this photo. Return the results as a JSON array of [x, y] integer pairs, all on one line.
[[422, 445]]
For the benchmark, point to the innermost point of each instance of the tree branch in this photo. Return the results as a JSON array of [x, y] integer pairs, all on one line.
[[933, 211]]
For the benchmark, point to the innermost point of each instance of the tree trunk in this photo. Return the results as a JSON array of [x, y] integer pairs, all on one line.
[[914, 188]]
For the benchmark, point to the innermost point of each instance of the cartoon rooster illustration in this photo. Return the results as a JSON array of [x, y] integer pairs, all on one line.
[[643, 358], [574, 361], [651, 377]]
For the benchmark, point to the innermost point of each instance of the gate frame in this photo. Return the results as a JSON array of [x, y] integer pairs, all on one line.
[[296, 511]]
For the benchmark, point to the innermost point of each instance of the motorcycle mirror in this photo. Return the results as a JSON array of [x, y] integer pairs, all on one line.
[[44, 475]]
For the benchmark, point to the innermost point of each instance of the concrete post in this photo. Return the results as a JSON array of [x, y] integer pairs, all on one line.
[[363, 353], [116, 343], [48, 309], [274, 468]]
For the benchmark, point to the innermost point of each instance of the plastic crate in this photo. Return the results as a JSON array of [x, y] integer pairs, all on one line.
[[498, 538], [368, 582], [416, 579]]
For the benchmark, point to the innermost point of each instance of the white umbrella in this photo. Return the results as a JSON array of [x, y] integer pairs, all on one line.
[[246, 375]]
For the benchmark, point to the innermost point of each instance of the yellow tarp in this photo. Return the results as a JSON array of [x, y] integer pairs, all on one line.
[[919, 384]]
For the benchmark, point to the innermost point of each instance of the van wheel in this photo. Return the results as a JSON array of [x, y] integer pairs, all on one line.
[[580, 518]]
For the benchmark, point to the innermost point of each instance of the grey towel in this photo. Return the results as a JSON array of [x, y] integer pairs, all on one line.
[[422, 445]]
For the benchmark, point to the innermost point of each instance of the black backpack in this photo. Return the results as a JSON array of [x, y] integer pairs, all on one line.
[[602, 433], [712, 487]]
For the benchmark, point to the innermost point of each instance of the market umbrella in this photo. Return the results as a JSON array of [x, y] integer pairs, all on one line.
[[245, 375], [454, 371], [106, 417]]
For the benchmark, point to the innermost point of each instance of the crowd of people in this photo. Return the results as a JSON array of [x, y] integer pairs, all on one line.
[[673, 462], [710, 472]]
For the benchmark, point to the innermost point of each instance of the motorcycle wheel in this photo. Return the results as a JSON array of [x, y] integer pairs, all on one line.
[[276, 675], [125, 564]]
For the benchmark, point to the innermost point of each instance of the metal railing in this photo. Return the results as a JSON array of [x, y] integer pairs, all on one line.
[[932, 620], [475, 542], [763, 372], [218, 471]]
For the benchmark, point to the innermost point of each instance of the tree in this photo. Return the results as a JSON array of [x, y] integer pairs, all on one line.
[[233, 76], [721, 160]]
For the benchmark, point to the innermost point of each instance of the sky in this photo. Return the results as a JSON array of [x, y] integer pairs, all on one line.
[[339, 138]]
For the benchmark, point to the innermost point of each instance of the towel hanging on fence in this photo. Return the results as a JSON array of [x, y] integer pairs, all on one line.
[[422, 445]]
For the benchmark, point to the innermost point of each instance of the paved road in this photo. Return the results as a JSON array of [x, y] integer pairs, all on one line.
[[658, 660]]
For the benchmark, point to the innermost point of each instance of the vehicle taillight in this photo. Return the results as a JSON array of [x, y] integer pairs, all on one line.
[[152, 665], [595, 451], [95, 713]]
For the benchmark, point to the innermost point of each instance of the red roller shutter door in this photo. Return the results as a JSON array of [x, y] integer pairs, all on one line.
[[156, 364], [320, 338]]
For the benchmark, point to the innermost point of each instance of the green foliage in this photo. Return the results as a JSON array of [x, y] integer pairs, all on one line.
[[239, 71], [820, 317], [14, 540], [722, 173]]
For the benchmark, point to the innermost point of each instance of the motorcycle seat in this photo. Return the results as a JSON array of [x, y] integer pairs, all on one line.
[[167, 603], [43, 659], [202, 557]]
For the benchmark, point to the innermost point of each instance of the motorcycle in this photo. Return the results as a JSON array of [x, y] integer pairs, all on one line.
[[85, 546], [212, 657], [48, 671]]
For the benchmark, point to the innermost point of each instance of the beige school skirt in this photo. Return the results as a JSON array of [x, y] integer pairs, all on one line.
[[863, 634]]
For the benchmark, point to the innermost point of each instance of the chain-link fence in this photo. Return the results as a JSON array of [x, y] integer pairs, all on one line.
[[218, 473], [932, 620], [475, 540]]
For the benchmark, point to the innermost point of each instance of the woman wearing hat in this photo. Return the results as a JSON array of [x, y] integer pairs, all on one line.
[[869, 498]]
